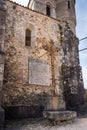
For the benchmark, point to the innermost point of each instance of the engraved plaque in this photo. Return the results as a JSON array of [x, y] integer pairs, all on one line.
[[39, 72]]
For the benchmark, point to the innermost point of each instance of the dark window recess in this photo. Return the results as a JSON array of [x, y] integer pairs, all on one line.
[[28, 38], [48, 10], [74, 1], [68, 4]]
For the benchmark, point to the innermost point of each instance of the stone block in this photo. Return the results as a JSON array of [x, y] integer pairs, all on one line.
[[39, 72], [60, 115]]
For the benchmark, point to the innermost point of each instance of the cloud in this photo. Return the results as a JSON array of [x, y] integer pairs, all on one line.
[[22, 2]]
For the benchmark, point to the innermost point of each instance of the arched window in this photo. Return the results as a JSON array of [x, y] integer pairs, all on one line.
[[69, 6], [28, 37], [48, 10]]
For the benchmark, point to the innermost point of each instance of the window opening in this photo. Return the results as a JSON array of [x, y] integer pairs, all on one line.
[[28, 37], [68, 4], [48, 10]]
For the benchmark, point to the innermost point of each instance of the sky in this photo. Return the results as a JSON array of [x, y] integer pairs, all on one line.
[[81, 32]]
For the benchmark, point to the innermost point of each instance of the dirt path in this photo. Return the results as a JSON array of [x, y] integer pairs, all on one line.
[[39, 124]]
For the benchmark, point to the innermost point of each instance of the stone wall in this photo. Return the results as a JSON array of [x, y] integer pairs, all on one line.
[[59, 9], [20, 60], [2, 41], [40, 6], [72, 71], [65, 13]]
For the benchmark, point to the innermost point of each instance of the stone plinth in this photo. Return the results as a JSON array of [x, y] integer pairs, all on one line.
[[60, 115], [55, 110], [1, 118]]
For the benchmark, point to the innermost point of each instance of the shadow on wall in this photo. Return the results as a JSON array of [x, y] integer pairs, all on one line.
[[20, 112]]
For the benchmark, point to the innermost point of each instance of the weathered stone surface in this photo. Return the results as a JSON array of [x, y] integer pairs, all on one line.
[[40, 6], [19, 87], [3, 8], [72, 72], [58, 9], [39, 72], [25, 82], [54, 103], [60, 115]]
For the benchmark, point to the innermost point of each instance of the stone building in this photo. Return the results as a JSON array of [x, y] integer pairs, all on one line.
[[39, 59]]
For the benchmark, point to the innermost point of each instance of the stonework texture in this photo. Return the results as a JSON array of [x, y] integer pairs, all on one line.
[[45, 46], [71, 71], [46, 73], [58, 9]]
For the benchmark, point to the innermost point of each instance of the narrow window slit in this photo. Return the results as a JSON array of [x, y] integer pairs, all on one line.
[[28, 37], [48, 10], [69, 4]]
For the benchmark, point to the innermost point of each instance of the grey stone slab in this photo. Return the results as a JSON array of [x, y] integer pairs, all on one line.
[[39, 72], [60, 115]]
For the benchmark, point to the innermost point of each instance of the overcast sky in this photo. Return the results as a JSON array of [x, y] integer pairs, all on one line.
[[81, 31]]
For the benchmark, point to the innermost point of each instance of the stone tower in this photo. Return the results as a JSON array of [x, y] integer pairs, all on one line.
[[59, 9], [65, 10], [47, 7]]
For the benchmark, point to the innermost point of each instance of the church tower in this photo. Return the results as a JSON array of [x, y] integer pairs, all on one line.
[[47, 7], [65, 10], [59, 9]]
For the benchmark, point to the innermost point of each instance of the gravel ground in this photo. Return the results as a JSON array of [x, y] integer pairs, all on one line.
[[40, 124]]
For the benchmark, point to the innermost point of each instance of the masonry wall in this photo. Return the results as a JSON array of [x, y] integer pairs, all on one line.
[[40, 6], [2, 41], [19, 87]]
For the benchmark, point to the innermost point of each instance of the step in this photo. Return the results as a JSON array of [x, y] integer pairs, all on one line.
[[60, 115]]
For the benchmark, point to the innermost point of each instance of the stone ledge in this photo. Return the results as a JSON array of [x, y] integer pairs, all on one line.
[[60, 115]]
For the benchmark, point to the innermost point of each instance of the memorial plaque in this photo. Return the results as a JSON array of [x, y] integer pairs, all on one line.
[[39, 72]]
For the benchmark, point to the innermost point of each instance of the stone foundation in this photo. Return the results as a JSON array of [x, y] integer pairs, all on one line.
[[60, 115]]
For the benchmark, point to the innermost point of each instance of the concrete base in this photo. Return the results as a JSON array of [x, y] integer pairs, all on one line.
[[60, 115], [2, 115]]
